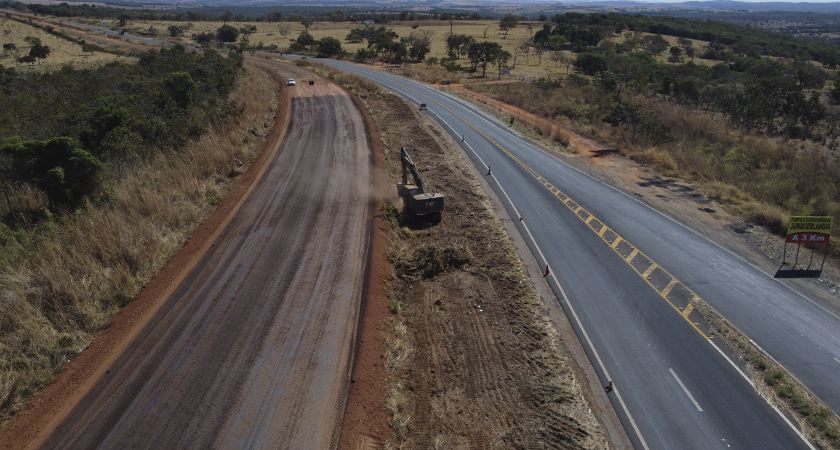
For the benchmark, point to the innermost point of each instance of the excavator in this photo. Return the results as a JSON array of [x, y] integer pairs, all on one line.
[[416, 202]]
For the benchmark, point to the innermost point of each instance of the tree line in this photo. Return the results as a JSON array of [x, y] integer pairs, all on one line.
[[256, 14], [776, 96]]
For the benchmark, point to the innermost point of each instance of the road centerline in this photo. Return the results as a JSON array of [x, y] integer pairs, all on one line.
[[690, 397]]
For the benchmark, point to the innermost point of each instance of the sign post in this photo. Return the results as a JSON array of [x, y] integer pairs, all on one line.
[[446, 83], [811, 231]]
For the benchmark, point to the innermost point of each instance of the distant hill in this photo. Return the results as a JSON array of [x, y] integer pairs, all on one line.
[[728, 5], [493, 8]]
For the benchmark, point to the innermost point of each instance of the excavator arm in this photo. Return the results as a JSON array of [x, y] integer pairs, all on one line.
[[408, 164], [416, 201]]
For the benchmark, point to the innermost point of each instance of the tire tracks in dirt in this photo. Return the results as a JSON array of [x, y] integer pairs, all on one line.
[[216, 410]]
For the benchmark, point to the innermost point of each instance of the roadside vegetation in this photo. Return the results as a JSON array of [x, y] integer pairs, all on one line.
[[91, 206], [103, 174], [818, 424]]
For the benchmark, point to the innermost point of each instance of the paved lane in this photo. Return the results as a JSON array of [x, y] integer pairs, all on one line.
[[674, 389]]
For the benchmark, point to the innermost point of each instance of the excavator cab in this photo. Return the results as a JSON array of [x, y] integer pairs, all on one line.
[[416, 202]]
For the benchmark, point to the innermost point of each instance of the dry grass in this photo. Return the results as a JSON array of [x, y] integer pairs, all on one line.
[[760, 179], [396, 404], [62, 51], [398, 351], [65, 283], [268, 34]]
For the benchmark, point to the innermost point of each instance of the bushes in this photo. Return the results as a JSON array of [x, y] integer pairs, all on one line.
[[102, 122], [62, 170], [65, 276], [763, 180]]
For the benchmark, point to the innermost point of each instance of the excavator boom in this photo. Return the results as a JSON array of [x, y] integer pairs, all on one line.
[[416, 201]]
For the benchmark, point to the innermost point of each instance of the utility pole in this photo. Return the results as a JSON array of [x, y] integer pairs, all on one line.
[[450, 27]]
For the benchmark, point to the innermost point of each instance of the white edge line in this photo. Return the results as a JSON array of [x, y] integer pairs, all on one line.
[[795, 430], [690, 397], [784, 417], [577, 319], [480, 114], [565, 298], [737, 369]]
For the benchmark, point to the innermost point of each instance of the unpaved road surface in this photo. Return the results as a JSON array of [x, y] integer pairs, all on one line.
[[253, 349]]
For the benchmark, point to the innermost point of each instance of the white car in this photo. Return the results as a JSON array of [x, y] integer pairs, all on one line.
[[291, 81]]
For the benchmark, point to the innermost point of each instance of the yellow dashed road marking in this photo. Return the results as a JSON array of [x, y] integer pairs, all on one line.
[[565, 199], [670, 286], [603, 230]]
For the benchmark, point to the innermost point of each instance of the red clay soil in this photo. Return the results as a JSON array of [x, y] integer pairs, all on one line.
[[365, 420]]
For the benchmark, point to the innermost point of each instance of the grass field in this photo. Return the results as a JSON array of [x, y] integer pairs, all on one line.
[[62, 51], [528, 64], [269, 33]]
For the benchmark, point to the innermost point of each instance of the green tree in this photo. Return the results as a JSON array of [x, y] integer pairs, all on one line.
[[501, 61], [306, 22], [39, 51], [204, 39], [379, 37], [556, 42], [304, 41], [421, 45], [364, 54], [175, 30], [458, 45], [450, 65], [607, 81], [181, 89], [676, 55], [104, 120], [834, 91], [247, 30], [808, 112], [627, 115], [58, 167], [655, 44], [227, 33], [484, 53], [508, 22], [329, 47], [590, 63], [355, 36]]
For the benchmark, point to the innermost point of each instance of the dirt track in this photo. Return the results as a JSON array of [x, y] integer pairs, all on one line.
[[253, 348]]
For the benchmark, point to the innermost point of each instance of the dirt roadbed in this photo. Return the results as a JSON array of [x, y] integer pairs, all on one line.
[[485, 362], [245, 337]]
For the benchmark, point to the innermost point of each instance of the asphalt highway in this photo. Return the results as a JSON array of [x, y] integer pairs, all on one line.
[[629, 278]]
